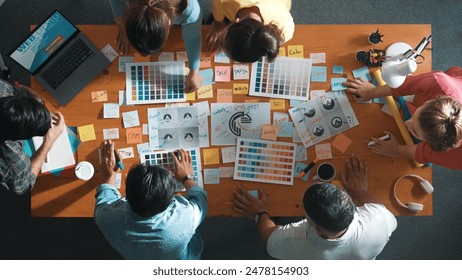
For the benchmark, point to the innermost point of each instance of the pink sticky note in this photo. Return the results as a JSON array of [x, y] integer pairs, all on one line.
[[341, 142], [222, 73], [224, 95], [323, 151]]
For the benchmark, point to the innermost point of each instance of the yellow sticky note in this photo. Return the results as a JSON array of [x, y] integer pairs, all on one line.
[[211, 156], [205, 92], [99, 96], [205, 60], [240, 88], [134, 135], [341, 142], [140, 58], [224, 95], [190, 96], [277, 104], [295, 51], [269, 132], [282, 51], [86, 132]]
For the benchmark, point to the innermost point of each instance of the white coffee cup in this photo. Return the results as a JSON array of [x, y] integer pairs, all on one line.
[[84, 170], [325, 172]]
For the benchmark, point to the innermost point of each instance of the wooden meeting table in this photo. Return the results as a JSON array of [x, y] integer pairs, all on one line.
[[71, 197]]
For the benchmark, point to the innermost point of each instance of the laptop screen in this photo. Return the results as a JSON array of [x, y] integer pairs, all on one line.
[[43, 42]]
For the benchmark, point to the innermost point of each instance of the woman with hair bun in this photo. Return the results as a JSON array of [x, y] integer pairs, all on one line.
[[145, 24], [247, 30], [437, 117]]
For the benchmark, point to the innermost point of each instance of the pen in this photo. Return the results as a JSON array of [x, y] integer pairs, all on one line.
[[385, 137], [301, 174], [118, 161]]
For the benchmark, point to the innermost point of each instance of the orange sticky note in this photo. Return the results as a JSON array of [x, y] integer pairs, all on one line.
[[269, 132], [277, 104], [190, 96], [205, 60], [224, 95], [134, 135], [282, 51], [295, 51], [86, 132], [140, 58], [222, 73], [99, 96], [211, 156], [323, 151], [205, 92], [240, 88], [256, 100], [341, 142]]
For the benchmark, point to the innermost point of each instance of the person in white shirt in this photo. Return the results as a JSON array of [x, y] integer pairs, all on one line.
[[338, 224]]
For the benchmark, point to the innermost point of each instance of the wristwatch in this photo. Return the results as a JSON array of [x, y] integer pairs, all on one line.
[[188, 177]]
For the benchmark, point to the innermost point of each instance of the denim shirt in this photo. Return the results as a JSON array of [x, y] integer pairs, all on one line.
[[167, 235], [191, 27]]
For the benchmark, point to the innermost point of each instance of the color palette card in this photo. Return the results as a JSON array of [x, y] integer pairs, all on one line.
[[264, 161], [155, 82], [320, 118], [163, 158], [285, 77]]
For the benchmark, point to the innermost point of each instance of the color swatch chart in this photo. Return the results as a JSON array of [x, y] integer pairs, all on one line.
[[163, 158], [285, 77], [155, 82], [264, 161]]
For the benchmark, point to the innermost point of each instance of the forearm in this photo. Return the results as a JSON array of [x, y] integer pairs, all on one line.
[[266, 226], [192, 36], [39, 157], [380, 91], [406, 151]]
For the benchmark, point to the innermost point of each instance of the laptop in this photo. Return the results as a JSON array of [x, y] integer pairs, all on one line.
[[60, 57]]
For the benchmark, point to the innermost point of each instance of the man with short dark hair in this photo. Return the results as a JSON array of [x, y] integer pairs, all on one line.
[[22, 116], [333, 228], [151, 222]]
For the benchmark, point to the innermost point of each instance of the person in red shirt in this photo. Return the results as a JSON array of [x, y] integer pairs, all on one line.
[[436, 118]]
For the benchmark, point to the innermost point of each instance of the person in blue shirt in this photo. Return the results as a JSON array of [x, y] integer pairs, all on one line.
[[151, 222], [145, 24]]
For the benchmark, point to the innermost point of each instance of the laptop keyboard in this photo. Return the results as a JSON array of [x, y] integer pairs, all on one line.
[[70, 60]]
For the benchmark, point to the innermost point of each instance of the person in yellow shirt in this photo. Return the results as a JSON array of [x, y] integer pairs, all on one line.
[[247, 30]]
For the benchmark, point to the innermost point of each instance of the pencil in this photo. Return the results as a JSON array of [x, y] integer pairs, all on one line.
[[118, 161], [301, 174]]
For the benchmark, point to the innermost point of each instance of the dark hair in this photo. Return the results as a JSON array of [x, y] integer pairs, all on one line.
[[248, 40], [22, 116], [149, 189], [441, 123], [329, 207], [147, 26]]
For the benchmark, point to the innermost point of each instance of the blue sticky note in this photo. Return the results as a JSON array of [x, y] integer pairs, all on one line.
[[294, 102], [254, 193], [212, 176], [337, 69], [299, 167], [337, 84], [285, 129], [319, 74], [362, 72], [380, 100], [207, 75]]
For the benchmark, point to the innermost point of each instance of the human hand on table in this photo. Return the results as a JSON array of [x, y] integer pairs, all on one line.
[[193, 81], [362, 90], [108, 163], [123, 45], [388, 148], [215, 34], [355, 178], [247, 204]]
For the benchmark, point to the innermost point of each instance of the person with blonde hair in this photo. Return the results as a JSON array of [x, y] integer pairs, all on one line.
[[436, 118], [145, 24], [247, 30]]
